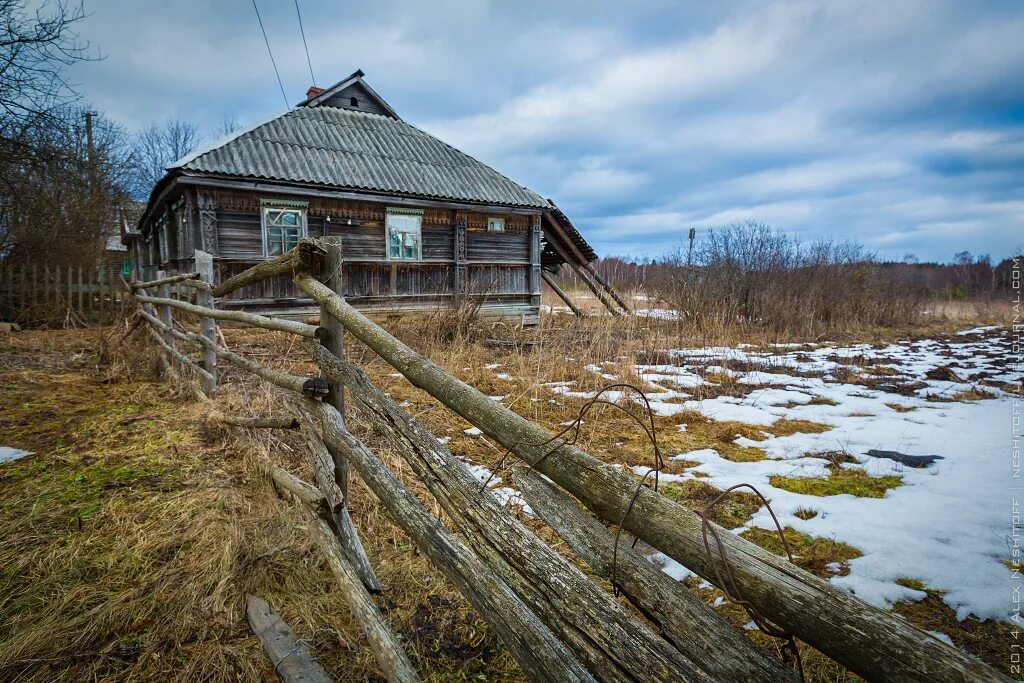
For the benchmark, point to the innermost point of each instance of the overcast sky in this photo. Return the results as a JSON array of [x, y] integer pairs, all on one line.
[[898, 124]]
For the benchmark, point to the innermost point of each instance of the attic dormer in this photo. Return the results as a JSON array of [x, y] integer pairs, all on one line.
[[350, 93]]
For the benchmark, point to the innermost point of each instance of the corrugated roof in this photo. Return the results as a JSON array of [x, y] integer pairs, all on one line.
[[360, 151]]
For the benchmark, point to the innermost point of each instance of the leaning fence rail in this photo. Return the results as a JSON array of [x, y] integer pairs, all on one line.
[[556, 622]]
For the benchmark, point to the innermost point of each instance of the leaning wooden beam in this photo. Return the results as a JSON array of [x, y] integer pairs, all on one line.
[[608, 288], [281, 379], [301, 258], [575, 258], [322, 462], [585, 276], [266, 322], [178, 355], [561, 294], [613, 644], [290, 656], [135, 286], [391, 658], [303, 491], [867, 640], [541, 656], [687, 622]]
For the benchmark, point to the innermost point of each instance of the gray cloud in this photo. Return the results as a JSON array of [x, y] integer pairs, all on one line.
[[899, 124]]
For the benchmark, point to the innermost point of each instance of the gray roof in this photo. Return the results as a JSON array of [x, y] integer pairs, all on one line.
[[360, 151]]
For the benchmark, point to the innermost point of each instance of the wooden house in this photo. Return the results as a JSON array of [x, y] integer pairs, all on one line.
[[419, 222]]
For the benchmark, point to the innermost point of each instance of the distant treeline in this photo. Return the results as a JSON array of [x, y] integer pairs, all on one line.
[[965, 276], [753, 275]]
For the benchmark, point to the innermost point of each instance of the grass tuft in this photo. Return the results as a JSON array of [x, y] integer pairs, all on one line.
[[841, 480]]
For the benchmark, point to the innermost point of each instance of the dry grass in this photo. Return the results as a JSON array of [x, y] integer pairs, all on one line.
[[178, 522]]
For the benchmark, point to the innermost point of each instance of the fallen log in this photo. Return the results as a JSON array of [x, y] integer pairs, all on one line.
[[302, 491], [290, 656], [687, 622], [609, 640], [541, 656], [867, 640], [904, 459], [391, 657], [258, 422], [322, 462]]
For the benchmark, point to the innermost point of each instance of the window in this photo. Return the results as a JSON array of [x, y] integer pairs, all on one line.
[[495, 225], [353, 101], [282, 228], [403, 226]]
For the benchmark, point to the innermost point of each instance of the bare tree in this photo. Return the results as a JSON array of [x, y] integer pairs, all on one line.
[[61, 208], [40, 154], [36, 45], [158, 146]]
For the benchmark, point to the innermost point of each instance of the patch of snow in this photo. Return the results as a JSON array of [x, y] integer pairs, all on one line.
[[472, 431], [9, 454], [670, 566]]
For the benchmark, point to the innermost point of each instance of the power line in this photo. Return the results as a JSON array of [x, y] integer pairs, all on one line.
[[303, 32], [271, 53]]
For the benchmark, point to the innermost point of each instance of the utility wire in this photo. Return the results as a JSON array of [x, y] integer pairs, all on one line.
[[303, 32], [271, 53]]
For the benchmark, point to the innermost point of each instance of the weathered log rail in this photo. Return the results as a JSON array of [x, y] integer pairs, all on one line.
[[556, 622]]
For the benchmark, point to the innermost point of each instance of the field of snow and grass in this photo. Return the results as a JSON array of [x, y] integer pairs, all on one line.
[[911, 524]]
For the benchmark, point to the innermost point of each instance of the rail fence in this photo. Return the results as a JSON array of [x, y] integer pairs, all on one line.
[[559, 623], [61, 295]]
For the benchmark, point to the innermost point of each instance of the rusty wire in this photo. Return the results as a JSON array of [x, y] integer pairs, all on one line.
[[576, 425], [790, 651], [727, 581]]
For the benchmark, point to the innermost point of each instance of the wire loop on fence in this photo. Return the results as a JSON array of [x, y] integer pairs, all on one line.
[[727, 581]]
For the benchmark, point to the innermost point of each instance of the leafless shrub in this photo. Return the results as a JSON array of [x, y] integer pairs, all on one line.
[[753, 276]]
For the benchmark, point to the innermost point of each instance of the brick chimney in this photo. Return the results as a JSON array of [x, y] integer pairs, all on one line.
[[313, 92]]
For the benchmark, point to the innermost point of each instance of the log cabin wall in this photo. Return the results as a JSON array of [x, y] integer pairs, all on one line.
[[493, 265]]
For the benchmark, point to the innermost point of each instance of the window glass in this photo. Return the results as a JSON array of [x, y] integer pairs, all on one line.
[[496, 225], [404, 236], [283, 228]]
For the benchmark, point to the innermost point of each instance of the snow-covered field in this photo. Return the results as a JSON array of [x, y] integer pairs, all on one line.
[[948, 525]]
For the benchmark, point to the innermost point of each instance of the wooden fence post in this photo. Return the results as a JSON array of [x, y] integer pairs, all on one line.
[[334, 341], [207, 325], [102, 294], [165, 311]]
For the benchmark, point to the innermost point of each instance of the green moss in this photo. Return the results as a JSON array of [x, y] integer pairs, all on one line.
[[853, 481], [809, 552], [731, 512]]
